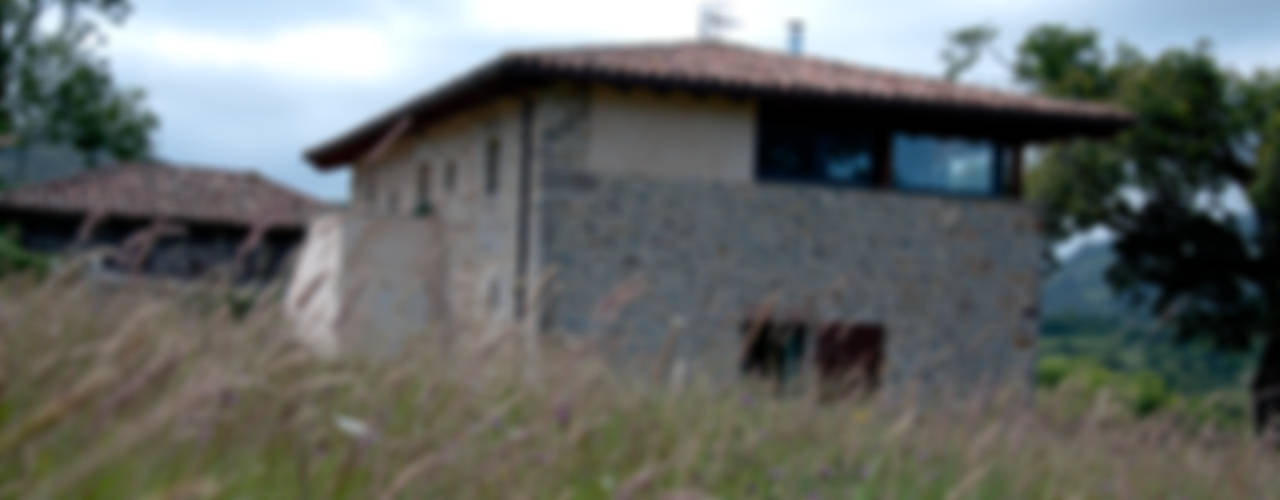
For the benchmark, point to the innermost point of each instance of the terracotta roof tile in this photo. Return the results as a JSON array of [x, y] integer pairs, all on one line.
[[748, 68], [184, 193], [736, 69]]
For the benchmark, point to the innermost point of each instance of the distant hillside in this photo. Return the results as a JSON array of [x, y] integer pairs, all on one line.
[[1084, 318], [1079, 286]]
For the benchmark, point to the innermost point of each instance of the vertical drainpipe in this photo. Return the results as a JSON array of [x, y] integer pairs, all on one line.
[[524, 213]]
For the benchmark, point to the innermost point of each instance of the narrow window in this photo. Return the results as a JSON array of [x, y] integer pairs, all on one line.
[[450, 176], [492, 164], [423, 204], [849, 357]]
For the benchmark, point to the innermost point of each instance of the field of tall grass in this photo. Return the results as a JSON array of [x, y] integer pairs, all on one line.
[[115, 392]]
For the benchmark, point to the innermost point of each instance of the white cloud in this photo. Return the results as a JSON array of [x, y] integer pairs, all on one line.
[[582, 18], [336, 53], [248, 82]]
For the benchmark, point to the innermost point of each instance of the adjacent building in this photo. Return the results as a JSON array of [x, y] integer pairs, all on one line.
[[164, 221]]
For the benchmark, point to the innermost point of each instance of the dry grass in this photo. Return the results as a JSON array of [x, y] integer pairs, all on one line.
[[127, 394]]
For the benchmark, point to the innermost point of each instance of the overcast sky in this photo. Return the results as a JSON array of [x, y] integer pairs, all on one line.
[[251, 83]]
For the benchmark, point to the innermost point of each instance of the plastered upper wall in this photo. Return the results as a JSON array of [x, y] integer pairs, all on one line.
[[670, 135], [480, 230], [622, 132], [444, 165]]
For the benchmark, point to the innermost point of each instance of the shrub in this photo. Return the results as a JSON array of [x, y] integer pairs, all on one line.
[[1052, 370], [15, 259]]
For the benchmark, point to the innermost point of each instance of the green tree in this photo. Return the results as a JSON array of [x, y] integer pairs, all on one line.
[[55, 88], [1202, 135], [965, 48]]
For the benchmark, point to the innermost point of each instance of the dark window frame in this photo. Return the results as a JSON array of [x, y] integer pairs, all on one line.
[[809, 138], [808, 124]]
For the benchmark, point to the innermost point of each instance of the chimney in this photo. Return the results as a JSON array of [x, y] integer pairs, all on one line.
[[795, 37]]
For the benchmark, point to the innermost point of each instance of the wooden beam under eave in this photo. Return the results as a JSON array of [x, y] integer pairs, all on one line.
[[387, 140], [251, 241], [88, 225]]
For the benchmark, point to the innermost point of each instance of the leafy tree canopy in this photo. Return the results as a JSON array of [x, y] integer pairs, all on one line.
[[966, 47], [1191, 191], [54, 87]]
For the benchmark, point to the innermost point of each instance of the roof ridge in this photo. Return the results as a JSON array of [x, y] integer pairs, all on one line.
[[819, 60], [836, 63], [598, 46], [162, 189], [74, 178]]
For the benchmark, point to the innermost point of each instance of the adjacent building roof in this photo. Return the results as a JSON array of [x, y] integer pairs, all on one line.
[[162, 191], [712, 66]]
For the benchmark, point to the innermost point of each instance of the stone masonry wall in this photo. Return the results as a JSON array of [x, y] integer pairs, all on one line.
[[954, 281]]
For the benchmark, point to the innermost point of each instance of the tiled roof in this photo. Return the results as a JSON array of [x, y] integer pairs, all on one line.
[[161, 191], [734, 69], [735, 66]]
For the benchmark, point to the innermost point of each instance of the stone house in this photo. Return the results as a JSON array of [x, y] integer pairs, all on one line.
[[676, 199], [163, 221]]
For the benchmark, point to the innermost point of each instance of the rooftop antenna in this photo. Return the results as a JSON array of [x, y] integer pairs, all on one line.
[[713, 21]]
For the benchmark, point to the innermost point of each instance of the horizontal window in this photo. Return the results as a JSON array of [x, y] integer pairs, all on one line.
[[838, 149], [944, 164], [805, 154]]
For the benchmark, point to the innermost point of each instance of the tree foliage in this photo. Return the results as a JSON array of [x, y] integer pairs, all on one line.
[[1190, 190], [965, 48], [54, 86], [14, 259]]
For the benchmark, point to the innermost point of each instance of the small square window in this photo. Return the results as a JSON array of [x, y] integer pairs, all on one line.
[[773, 349], [849, 359]]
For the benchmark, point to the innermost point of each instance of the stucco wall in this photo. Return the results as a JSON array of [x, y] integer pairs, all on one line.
[[670, 135], [363, 283], [955, 282], [478, 228]]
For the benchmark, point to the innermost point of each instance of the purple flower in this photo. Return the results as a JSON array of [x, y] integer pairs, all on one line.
[[564, 414]]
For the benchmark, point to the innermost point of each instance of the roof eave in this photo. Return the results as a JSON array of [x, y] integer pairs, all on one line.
[[513, 71], [502, 73]]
